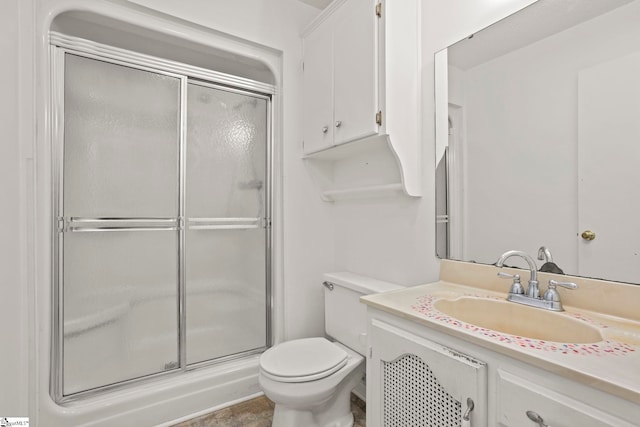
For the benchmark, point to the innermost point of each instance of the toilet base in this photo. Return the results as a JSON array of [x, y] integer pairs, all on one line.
[[291, 417], [334, 413]]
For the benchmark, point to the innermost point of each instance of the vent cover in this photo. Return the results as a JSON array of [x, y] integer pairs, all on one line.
[[414, 398]]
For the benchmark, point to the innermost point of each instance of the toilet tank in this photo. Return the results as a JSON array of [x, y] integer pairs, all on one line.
[[345, 317]]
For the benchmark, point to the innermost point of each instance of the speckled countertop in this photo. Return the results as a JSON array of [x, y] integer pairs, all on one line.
[[611, 365]]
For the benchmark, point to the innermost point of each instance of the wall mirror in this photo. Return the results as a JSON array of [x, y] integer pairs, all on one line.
[[538, 139]]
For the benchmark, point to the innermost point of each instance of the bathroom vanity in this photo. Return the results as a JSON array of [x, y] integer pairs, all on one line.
[[519, 365]]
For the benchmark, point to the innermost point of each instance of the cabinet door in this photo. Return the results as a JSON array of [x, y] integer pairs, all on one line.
[[415, 382], [318, 89], [517, 395], [355, 71]]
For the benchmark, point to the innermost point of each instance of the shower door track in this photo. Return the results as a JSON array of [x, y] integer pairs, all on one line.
[[60, 46]]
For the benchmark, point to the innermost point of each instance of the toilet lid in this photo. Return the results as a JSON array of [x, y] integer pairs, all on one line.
[[305, 359]]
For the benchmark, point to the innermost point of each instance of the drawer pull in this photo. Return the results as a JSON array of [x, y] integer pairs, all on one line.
[[533, 416], [467, 414]]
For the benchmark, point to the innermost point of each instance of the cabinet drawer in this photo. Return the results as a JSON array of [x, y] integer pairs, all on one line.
[[517, 395]]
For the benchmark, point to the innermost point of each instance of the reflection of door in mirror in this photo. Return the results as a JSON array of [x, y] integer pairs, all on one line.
[[522, 85], [442, 205], [449, 179], [608, 174]]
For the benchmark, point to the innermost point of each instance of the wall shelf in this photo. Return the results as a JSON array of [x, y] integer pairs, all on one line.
[[367, 168], [362, 192]]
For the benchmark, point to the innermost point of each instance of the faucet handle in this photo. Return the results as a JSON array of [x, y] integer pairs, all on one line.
[[516, 286], [568, 285], [551, 294]]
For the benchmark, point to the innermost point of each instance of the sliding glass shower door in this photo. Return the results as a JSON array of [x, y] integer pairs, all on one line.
[[225, 207], [162, 236]]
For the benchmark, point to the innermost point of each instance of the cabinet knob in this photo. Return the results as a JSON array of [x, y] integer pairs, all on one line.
[[338, 123], [325, 129]]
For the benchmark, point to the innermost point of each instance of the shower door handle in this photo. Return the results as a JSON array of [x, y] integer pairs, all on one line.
[[76, 224], [227, 223]]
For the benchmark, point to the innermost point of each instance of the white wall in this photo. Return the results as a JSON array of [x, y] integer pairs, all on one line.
[[522, 139], [13, 274]]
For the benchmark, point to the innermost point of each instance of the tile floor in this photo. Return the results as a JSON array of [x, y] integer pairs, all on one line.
[[257, 413]]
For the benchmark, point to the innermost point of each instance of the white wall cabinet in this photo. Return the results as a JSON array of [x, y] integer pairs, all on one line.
[[340, 78], [361, 89], [503, 389], [318, 90]]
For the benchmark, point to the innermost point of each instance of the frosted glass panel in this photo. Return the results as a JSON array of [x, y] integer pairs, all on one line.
[[225, 189], [226, 292], [226, 153], [121, 129], [120, 316]]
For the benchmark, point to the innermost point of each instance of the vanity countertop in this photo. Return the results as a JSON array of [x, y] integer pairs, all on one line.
[[611, 365]]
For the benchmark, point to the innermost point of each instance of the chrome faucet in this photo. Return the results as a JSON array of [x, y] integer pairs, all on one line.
[[532, 289], [551, 298], [544, 254]]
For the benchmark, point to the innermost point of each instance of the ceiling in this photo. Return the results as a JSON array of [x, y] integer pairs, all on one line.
[[320, 4]]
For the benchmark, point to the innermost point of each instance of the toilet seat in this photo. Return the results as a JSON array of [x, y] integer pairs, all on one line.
[[302, 360]]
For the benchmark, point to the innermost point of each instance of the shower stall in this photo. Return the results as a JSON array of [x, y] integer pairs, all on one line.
[[161, 235]]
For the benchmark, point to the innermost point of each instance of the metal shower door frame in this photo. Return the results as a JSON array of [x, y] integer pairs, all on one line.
[[61, 45]]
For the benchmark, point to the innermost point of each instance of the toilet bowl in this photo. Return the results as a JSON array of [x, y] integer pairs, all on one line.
[[310, 379], [318, 396]]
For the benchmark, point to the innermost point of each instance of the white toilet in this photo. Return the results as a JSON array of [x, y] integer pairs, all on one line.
[[310, 379]]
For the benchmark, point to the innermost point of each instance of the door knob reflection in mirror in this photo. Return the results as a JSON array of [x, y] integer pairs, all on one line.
[[588, 235]]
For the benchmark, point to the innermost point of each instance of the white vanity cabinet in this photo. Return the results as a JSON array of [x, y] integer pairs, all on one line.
[[412, 381], [361, 89], [520, 393], [503, 388]]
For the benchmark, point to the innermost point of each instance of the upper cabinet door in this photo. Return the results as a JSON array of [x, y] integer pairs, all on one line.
[[361, 60], [355, 71], [318, 90]]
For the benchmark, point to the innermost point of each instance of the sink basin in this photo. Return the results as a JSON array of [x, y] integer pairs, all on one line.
[[520, 320]]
